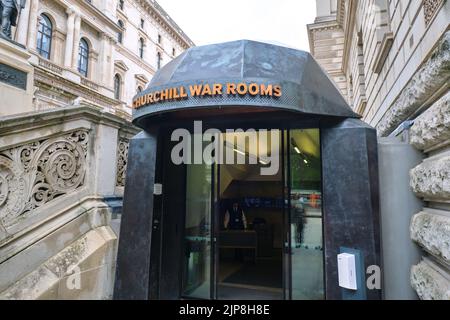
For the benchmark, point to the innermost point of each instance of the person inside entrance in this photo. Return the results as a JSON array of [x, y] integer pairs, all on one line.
[[235, 218]]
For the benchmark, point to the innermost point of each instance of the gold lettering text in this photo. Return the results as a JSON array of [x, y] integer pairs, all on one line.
[[183, 93], [206, 90], [253, 89], [195, 90], [242, 88], [266, 91], [164, 94], [217, 89], [231, 88], [277, 91]]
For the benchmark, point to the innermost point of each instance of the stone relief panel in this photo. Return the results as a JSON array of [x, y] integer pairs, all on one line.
[[430, 8], [34, 174], [122, 158]]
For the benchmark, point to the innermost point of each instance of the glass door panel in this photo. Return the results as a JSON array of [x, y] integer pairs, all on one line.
[[305, 215]]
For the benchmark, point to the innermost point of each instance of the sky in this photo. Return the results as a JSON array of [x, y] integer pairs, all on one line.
[[214, 21]]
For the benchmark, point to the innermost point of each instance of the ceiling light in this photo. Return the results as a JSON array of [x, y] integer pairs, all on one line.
[[240, 152]]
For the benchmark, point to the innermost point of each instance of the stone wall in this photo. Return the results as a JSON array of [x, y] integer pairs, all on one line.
[[430, 181], [56, 169], [396, 56]]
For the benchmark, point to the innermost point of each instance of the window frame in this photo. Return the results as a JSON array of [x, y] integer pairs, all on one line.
[[117, 87], [120, 33], [44, 30], [141, 47], [83, 54], [158, 60]]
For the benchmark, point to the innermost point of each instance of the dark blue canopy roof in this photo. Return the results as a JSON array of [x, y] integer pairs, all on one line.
[[306, 87]]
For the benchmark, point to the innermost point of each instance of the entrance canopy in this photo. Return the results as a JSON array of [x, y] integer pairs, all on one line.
[[242, 74]]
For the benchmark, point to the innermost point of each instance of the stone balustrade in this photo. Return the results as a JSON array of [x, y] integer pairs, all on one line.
[[56, 168], [90, 84], [47, 64]]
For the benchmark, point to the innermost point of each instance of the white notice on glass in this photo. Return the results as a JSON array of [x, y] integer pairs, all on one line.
[[157, 189]]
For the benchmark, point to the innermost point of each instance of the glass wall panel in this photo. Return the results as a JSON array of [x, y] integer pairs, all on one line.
[[197, 241], [306, 215]]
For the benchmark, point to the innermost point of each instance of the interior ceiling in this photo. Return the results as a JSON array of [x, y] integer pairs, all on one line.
[[252, 148], [308, 141]]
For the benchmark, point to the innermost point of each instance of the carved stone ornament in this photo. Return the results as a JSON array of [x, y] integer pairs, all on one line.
[[122, 156], [31, 175]]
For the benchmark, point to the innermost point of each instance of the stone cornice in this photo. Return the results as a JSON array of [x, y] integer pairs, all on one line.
[[142, 78], [348, 23], [59, 82], [430, 78], [119, 64], [101, 19], [161, 17], [318, 27], [340, 16], [135, 58], [27, 121]]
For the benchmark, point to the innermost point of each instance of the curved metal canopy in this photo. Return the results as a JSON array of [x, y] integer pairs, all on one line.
[[305, 86]]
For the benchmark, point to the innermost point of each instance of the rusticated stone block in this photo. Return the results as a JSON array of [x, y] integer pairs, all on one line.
[[433, 126], [432, 232], [431, 179], [429, 78], [429, 283]]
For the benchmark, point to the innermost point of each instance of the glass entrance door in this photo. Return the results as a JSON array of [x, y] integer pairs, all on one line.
[[250, 217], [249, 235]]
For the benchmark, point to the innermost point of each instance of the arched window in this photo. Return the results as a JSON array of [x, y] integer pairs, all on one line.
[[158, 58], [44, 37], [83, 57], [121, 4], [117, 86], [141, 48], [120, 34]]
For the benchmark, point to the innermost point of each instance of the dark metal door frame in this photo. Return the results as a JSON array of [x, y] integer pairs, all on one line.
[[286, 189]]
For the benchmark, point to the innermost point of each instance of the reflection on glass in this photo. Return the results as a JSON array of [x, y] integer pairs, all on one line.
[[306, 215], [197, 264]]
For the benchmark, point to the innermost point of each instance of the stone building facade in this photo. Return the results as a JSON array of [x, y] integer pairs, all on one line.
[[66, 83], [124, 42], [391, 61]]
